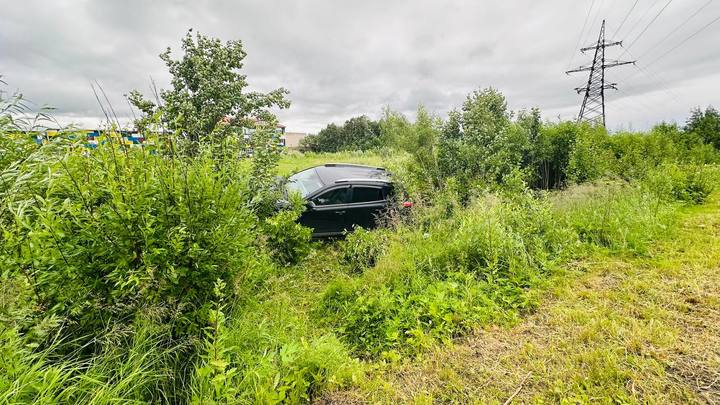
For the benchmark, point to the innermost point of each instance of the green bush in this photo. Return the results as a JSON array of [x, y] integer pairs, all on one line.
[[307, 368], [691, 184], [287, 240], [362, 248], [122, 230]]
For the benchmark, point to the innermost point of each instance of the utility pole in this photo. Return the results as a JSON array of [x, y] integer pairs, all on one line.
[[593, 106]]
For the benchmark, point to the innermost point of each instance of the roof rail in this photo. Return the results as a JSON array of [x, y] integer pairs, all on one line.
[[353, 165], [367, 179]]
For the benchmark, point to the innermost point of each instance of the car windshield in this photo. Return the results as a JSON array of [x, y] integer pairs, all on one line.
[[306, 182]]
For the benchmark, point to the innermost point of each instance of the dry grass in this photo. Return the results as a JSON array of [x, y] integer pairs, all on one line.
[[623, 330]]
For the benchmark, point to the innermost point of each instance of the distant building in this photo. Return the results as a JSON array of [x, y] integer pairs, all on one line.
[[291, 140]]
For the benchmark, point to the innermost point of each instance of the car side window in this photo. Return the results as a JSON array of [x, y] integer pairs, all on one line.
[[334, 196], [367, 194]]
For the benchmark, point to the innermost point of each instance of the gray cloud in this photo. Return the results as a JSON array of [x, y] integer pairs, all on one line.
[[341, 59]]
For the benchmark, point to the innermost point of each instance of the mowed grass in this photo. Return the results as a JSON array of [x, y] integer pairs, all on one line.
[[614, 329]]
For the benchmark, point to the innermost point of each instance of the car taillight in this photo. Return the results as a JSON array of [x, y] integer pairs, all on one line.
[[407, 204]]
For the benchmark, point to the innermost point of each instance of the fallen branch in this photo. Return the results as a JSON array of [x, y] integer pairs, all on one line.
[[517, 391]]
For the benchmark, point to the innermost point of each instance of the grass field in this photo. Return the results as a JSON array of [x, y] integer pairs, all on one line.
[[292, 162], [619, 329]]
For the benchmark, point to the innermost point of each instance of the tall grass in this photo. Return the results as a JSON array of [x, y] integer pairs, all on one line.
[[135, 367], [450, 269]]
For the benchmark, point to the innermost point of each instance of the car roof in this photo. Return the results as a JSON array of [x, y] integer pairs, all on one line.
[[331, 173]]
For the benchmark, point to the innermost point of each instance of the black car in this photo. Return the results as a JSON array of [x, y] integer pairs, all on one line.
[[340, 196]]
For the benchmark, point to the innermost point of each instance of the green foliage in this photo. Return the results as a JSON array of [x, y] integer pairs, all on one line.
[[263, 169], [614, 216], [131, 367], [306, 368], [590, 158], [357, 133], [362, 248], [452, 269], [479, 142], [442, 277], [214, 376], [288, 241], [15, 142], [706, 125], [419, 140], [208, 100], [126, 230], [691, 184], [131, 277]]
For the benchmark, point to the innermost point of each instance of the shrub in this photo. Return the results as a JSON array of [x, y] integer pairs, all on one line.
[[308, 367], [122, 230], [590, 158], [287, 240], [362, 248], [692, 184]]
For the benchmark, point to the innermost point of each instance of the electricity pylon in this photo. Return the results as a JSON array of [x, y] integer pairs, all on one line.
[[593, 106]]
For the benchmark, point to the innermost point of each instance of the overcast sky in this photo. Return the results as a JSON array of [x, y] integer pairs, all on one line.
[[339, 59]]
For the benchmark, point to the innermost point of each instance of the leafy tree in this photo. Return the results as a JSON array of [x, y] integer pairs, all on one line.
[[479, 142], [357, 133], [395, 129], [329, 139], [551, 152], [420, 140], [485, 117], [449, 144], [705, 124], [590, 157], [209, 98], [361, 133]]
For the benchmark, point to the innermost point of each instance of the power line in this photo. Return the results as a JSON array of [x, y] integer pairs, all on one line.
[[581, 34], [637, 104], [647, 72], [684, 41], [648, 26], [676, 28], [625, 19], [597, 15], [663, 85], [637, 22]]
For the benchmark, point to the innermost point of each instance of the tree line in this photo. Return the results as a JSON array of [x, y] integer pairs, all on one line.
[[484, 142]]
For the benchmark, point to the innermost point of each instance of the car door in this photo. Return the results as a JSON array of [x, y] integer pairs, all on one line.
[[367, 204], [326, 211]]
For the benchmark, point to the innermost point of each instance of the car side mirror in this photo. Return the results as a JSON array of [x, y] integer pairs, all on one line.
[[310, 204]]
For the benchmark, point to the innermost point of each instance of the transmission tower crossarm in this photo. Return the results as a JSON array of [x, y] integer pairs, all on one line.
[[604, 66], [580, 69], [607, 86], [618, 63], [603, 45]]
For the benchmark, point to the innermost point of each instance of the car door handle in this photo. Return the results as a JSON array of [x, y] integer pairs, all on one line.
[[340, 212]]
